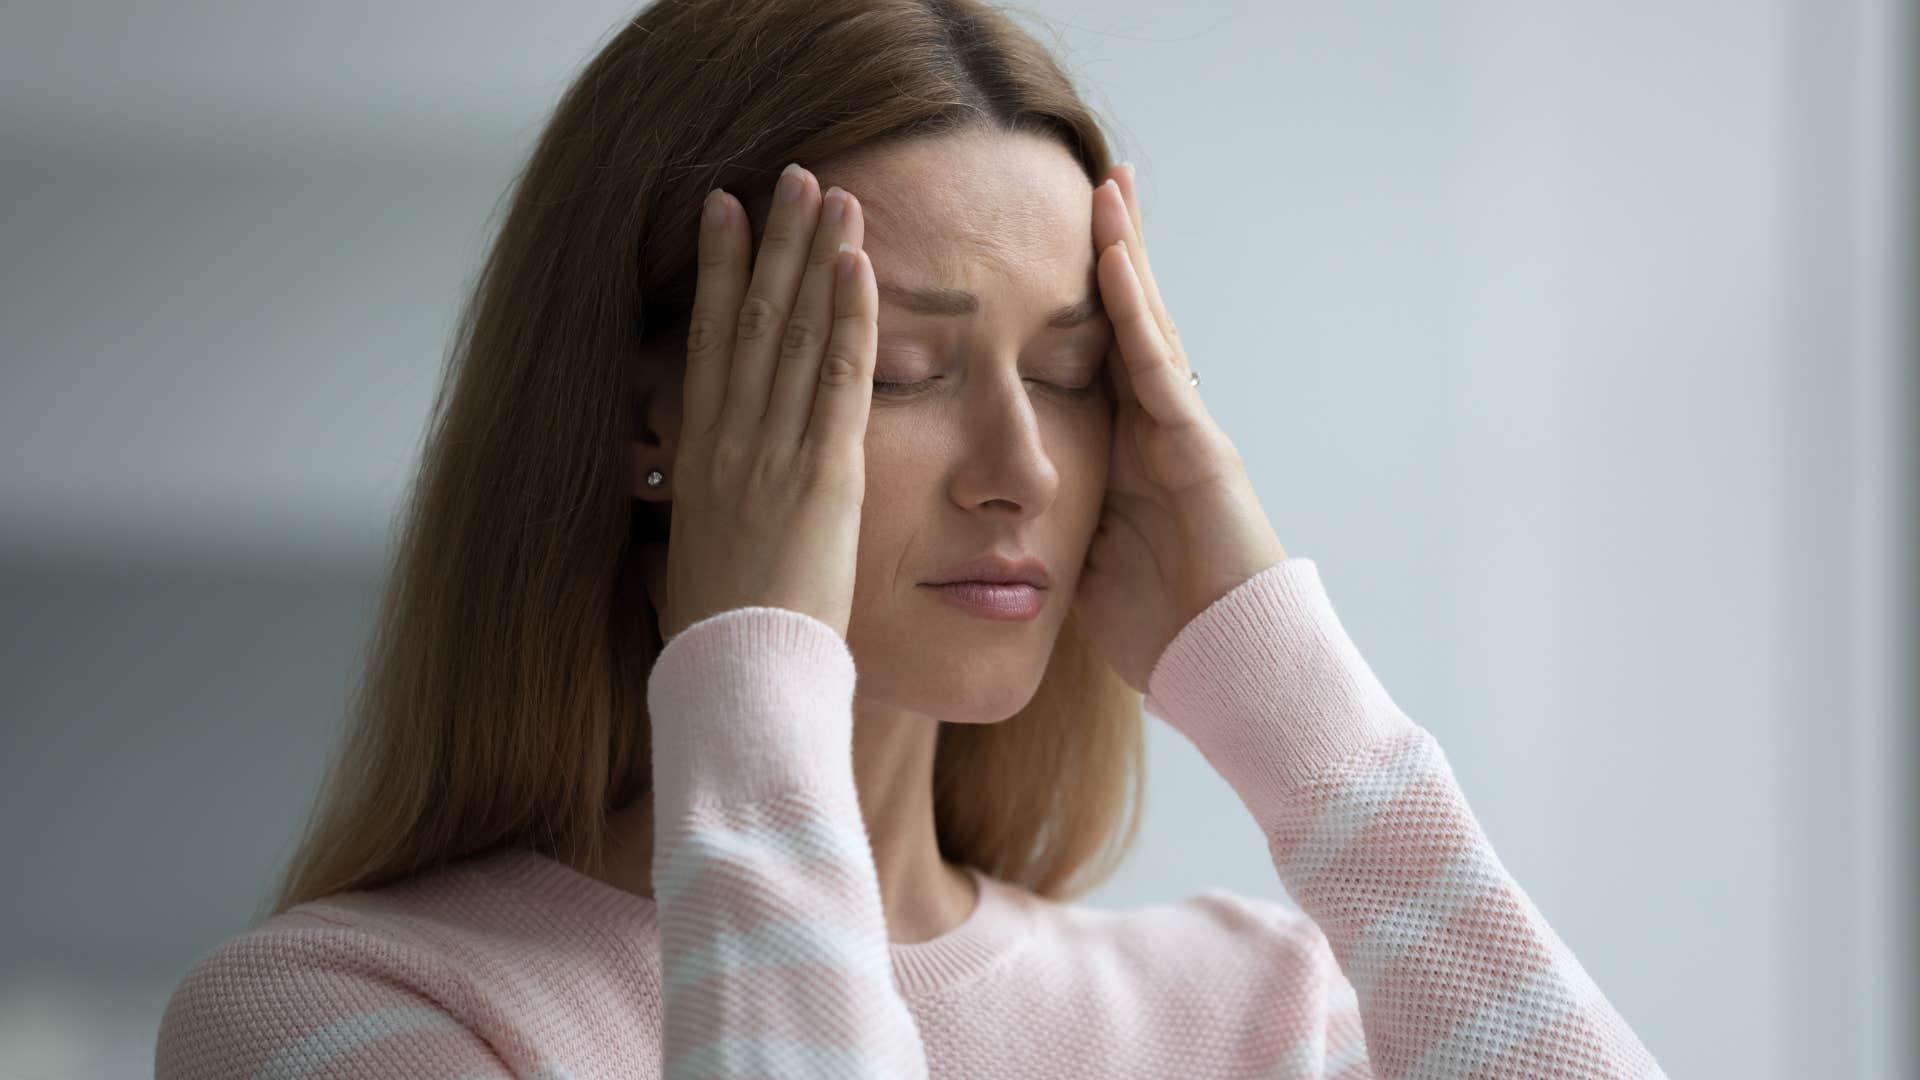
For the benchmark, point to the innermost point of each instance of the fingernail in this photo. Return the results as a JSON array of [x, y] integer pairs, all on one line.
[[789, 183], [1110, 183], [834, 208], [716, 210]]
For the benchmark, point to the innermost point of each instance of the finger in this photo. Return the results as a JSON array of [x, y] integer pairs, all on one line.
[[1123, 223], [1117, 369], [1153, 369], [811, 325], [1128, 183], [762, 322], [845, 391], [720, 283]]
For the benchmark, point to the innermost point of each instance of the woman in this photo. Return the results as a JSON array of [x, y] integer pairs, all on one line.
[[615, 803]]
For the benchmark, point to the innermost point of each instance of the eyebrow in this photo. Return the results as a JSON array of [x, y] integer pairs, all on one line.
[[942, 301]]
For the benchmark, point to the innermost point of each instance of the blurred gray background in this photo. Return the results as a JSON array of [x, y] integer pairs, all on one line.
[[1574, 340]]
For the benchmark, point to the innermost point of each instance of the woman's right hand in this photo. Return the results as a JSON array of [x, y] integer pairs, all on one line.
[[770, 472]]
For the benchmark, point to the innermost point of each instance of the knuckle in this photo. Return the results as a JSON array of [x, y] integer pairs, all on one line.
[[712, 256], [779, 238], [771, 470], [817, 472], [758, 316], [800, 338], [725, 455], [839, 368], [704, 333], [809, 474]]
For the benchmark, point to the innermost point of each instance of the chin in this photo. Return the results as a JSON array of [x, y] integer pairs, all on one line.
[[985, 716], [989, 704], [947, 694]]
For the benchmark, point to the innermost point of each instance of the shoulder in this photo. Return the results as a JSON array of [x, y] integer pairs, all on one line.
[[303, 988], [1278, 947], [375, 980], [1243, 918]]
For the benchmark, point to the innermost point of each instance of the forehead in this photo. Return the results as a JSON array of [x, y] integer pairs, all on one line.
[[992, 212]]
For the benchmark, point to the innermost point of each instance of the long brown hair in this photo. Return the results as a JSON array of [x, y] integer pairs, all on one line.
[[504, 697]]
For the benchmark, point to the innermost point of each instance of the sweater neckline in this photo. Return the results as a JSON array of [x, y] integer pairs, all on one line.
[[1002, 917]]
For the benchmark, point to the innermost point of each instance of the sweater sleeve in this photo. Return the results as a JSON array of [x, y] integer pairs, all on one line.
[[1455, 972], [774, 949]]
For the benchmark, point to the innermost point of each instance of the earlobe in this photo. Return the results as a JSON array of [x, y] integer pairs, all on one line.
[[650, 472]]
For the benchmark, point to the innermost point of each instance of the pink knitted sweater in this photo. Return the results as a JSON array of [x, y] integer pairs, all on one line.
[[765, 950]]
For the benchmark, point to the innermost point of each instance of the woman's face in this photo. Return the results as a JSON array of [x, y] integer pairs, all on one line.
[[1001, 442]]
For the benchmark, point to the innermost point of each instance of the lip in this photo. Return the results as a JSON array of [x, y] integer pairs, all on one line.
[[995, 569], [1016, 601]]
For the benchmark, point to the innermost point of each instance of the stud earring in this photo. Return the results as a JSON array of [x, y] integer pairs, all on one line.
[[655, 478]]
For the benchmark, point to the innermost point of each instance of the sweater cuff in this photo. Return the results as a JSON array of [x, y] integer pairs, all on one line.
[[1266, 682], [747, 703]]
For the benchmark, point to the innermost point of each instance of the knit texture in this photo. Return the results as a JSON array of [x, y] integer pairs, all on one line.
[[764, 952]]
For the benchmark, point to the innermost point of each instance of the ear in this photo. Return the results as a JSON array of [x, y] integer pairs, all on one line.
[[656, 426]]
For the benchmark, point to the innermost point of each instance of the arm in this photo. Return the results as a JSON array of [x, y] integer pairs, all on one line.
[[772, 936], [1455, 971]]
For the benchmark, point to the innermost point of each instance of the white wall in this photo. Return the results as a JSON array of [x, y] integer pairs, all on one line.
[[1565, 337]]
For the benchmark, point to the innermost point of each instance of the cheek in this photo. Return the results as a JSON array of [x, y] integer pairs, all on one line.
[[1085, 457], [898, 452], [898, 477], [1085, 446]]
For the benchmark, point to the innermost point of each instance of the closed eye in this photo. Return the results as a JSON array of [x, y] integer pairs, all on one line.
[[883, 387]]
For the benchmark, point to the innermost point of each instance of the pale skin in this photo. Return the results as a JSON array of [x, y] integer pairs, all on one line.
[[1083, 445]]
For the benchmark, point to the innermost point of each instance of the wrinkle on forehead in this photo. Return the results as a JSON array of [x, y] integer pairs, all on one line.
[[952, 241], [962, 210]]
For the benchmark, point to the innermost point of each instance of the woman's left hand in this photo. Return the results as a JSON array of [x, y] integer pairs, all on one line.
[[1181, 525]]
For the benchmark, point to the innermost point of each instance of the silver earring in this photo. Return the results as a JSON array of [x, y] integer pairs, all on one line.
[[655, 478]]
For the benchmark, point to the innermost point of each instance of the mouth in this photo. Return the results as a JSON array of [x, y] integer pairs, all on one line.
[[992, 599], [995, 568]]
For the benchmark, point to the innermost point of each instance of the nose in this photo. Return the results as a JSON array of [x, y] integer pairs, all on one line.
[[1004, 461]]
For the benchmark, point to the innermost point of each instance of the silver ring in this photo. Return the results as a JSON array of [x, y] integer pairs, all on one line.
[[1193, 378]]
